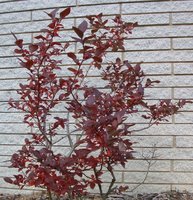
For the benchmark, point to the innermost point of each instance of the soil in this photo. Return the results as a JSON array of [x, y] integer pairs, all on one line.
[[171, 195]]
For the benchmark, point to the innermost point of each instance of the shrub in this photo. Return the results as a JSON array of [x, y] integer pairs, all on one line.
[[100, 115]]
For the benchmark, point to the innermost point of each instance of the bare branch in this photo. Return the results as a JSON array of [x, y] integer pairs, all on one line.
[[150, 161]]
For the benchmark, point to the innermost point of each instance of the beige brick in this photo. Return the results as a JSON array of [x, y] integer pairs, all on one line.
[[8, 62], [162, 31], [158, 93], [10, 40], [142, 165], [4, 105], [14, 128], [4, 161], [184, 117], [26, 27], [153, 7], [183, 93], [184, 141], [33, 5], [156, 68], [183, 43], [11, 84], [12, 117], [182, 18], [106, 176], [148, 19], [173, 81], [159, 177], [147, 44], [166, 129], [136, 118], [87, 2], [111, 9], [15, 17], [167, 153], [12, 139], [150, 141], [11, 73], [7, 51], [183, 165], [183, 68], [148, 188], [159, 56], [65, 150], [10, 150], [5, 96], [82, 11]]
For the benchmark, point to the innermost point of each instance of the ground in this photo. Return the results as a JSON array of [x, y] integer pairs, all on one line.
[[172, 195]]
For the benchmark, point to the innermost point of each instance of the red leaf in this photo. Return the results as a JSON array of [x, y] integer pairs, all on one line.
[[53, 13], [97, 59], [82, 153], [118, 61], [64, 13], [73, 70], [62, 82], [92, 185], [33, 47], [38, 37], [19, 43], [56, 43], [8, 180], [51, 25], [27, 64], [78, 32], [71, 55], [83, 26], [18, 51], [62, 97], [60, 121]]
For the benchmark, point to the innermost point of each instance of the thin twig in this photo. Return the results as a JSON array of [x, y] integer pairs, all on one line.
[[150, 164], [68, 130], [75, 144]]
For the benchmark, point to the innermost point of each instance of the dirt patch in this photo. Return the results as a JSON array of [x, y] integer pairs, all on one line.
[[171, 195]]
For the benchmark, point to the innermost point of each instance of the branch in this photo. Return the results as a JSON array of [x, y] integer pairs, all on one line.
[[99, 184], [150, 164], [75, 145], [112, 182], [68, 131], [150, 124]]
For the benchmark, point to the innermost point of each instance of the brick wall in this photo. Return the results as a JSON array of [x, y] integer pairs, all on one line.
[[163, 41]]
